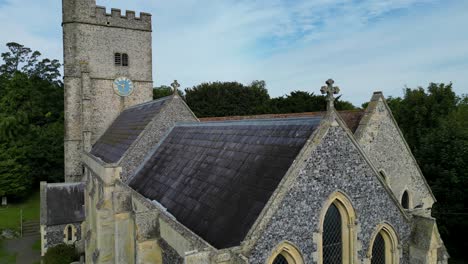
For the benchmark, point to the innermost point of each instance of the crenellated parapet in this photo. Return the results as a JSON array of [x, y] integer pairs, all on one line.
[[88, 12], [116, 18]]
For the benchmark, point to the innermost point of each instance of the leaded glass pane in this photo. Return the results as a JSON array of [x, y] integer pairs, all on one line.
[[378, 250], [280, 259], [332, 237]]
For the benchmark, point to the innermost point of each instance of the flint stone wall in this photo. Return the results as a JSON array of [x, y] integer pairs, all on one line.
[[55, 234], [387, 150], [174, 111], [335, 165]]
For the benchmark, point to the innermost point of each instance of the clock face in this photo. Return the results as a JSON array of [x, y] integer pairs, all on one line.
[[123, 86]]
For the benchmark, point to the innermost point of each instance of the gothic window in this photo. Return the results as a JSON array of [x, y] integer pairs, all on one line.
[[384, 246], [285, 253], [280, 259], [332, 236], [405, 200], [336, 244], [378, 250], [118, 59], [124, 59], [69, 233]]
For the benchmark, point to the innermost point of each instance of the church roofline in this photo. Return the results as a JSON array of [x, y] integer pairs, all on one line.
[[377, 95]]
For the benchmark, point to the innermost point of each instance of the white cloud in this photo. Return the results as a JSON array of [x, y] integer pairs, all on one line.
[[366, 45]]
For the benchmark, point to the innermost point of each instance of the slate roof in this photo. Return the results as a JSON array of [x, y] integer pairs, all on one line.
[[65, 203], [351, 117], [125, 129], [215, 178]]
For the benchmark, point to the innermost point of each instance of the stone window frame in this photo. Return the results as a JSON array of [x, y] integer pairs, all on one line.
[[289, 251], [66, 239], [348, 218], [390, 237]]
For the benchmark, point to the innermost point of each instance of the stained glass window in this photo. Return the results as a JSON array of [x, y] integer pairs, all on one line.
[[378, 250], [280, 259], [332, 237]]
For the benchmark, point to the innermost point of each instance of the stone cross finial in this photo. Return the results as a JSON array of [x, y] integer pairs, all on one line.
[[175, 85], [330, 90]]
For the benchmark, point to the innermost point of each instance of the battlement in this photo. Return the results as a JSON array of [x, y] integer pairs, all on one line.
[[87, 12], [117, 19]]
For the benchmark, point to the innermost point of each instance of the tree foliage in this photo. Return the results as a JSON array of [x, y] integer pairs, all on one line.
[[61, 254], [228, 98], [163, 91], [435, 124], [233, 98], [31, 120]]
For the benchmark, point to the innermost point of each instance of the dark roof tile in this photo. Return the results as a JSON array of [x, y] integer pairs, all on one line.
[[215, 178], [65, 203], [125, 129]]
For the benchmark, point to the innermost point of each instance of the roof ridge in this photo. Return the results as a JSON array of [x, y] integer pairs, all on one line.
[[148, 103], [265, 121]]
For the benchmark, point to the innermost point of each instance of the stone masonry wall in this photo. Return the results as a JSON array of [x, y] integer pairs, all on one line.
[[91, 38], [380, 139], [55, 234], [334, 165], [174, 111]]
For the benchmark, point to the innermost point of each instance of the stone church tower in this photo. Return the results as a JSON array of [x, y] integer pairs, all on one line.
[[107, 68]]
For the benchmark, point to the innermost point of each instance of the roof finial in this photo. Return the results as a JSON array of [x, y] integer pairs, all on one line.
[[330, 90], [175, 86]]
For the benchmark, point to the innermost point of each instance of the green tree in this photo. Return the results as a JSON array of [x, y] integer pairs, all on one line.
[[163, 91], [31, 120], [299, 102], [228, 99], [434, 122]]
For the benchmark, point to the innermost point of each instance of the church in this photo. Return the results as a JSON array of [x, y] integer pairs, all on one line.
[[146, 181]]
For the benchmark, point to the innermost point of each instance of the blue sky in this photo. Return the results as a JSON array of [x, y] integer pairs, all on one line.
[[291, 44]]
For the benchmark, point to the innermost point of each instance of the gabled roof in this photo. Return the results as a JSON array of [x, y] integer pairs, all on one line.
[[125, 129], [351, 117], [216, 178], [65, 203]]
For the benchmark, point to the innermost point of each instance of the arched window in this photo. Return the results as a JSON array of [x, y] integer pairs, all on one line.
[[280, 259], [337, 231], [124, 59], [378, 250], [405, 200], [69, 233], [332, 236], [285, 253], [117, 59], [384, 246]]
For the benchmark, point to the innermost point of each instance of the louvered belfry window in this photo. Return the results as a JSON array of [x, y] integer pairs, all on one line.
[[280, 259], [118, 59], [378, 250], [124, 59], [332, 237]]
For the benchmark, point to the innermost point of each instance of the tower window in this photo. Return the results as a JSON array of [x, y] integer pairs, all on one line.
[[124, 59], [118, 59]]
